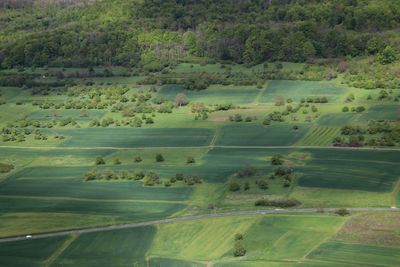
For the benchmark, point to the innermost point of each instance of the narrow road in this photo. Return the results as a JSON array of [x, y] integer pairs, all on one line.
[[206, 146], [178, 219]]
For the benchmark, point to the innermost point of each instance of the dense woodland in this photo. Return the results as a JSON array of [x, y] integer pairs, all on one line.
[[154, 34]]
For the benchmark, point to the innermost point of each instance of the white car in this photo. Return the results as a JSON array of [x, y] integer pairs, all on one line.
[[28, 236]]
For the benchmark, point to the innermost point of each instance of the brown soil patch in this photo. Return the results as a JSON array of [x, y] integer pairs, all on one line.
[[380, 228]]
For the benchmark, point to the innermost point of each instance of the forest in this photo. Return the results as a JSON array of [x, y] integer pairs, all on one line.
[[153, 34]]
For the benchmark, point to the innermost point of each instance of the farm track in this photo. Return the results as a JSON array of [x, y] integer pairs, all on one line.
[[178, 219], [207, 146]]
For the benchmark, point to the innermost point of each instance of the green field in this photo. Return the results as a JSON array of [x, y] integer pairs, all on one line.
[[273, 240], [256, 135], [301, 89], [46, 191], [128, 138], [214, 94]]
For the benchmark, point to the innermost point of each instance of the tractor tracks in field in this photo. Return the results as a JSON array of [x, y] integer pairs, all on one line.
[[178, 219]]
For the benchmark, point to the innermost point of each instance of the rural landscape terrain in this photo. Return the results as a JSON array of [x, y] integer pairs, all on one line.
[[199, 133]]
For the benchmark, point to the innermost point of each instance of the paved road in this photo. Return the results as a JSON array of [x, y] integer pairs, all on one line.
[[179, 219], [206, 146]]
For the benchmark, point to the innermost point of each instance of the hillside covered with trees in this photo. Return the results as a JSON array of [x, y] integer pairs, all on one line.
[[154, 34]]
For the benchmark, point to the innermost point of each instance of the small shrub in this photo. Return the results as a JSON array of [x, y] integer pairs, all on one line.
[[233, 186], [159, 158], [100, 161], [342, 212]]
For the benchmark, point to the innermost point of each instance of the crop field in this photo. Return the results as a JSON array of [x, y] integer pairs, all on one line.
[[382, 112], [275, 240], [319, 136], [336, 119], [256, 135], [301, 89], [129, 138], [214, 94], [357, 254], [45, 190]]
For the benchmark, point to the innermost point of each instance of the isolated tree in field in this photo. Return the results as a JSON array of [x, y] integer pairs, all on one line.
[[239, 249], [137, 159], [262, 184], [181, 100], [276, 160], [233, 186], [248, 170], [238, 236], [159, 158], [190, 160], [342, 212], [345, 109], [279, 100], [100, 161], [246, 186], [198, 107]]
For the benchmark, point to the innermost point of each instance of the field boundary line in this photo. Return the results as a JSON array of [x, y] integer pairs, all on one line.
[[215, 137], [260, 94], [395, 192], [60, 250], [324, 240], [179, 219]]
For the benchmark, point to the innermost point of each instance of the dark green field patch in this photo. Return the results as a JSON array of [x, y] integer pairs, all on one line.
[[359, 254], [130, 138], [374, 171], [258, 135], [382, 112], [336, 119], [112, 248], [301, 89], [30, 253], [213, 95]]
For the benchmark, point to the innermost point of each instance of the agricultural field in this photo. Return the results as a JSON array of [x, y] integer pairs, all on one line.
[[276, 240], [106, 151]]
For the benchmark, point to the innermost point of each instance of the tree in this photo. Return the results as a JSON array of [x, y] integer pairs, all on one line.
[[198, 107], [159, 158], [181, 100], [279, 101], [342, 212], [100, 161], [276, 159], [137, 159], [233, 186], [238, 236], [190, 160], [345, 109], [239, 249], [117, 161], [262, 184], [387, 56]]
